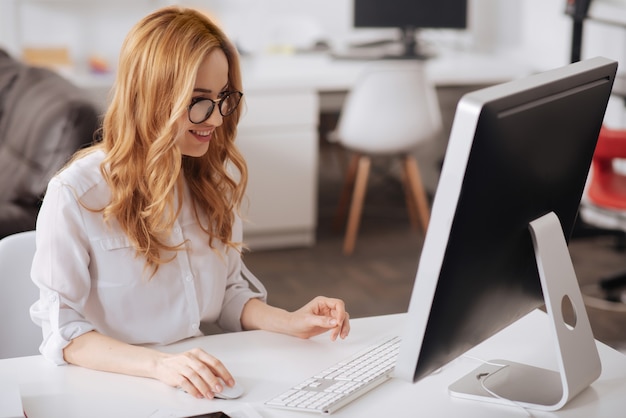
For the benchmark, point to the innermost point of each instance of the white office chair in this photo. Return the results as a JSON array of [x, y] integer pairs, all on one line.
[[392, 109], [19, 336]]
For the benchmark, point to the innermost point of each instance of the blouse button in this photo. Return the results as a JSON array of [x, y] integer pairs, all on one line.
[[194, 325], [52, 298], [188, 278]]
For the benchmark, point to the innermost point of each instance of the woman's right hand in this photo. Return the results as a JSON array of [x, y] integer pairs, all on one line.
[[195, 371]]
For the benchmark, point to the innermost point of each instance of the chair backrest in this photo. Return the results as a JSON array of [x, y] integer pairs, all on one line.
[[607, 187], [19, 336], [44, 119], [392, 108]]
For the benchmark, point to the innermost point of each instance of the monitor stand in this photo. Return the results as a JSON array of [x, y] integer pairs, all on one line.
[[407, 48], [579, 365], [411, 47]]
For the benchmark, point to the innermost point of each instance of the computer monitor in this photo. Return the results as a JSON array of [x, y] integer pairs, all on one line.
[[519, 154], [410, 16]]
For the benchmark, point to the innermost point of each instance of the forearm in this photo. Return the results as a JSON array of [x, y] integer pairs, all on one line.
[[257, 314], [100, 352]]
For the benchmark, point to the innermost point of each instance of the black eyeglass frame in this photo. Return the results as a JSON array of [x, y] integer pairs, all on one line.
[[215, 103]]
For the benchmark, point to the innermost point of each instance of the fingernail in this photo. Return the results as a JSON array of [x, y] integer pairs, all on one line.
[[333, 322], [218, 388], [231, 382]]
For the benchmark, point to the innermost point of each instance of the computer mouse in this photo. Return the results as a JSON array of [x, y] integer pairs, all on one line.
[[230, 392]]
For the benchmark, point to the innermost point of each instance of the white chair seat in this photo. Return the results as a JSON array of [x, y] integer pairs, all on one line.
[[602, 218]]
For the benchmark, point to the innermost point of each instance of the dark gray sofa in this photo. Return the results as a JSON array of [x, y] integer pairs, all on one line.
[[44, 119]]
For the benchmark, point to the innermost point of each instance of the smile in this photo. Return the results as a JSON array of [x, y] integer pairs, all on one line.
[[202, 136], [201, 133]]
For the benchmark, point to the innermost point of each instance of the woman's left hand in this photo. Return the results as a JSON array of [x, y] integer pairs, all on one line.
[[318, 316]]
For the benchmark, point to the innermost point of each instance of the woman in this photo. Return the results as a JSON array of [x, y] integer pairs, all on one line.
[[139, 238]]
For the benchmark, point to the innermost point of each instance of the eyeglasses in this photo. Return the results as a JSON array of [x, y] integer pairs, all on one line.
[[201, 108]]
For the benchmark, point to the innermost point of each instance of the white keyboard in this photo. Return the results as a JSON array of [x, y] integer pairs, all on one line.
[[342, 382]]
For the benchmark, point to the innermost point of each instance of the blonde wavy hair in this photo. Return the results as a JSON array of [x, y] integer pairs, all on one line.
[[143, 166]]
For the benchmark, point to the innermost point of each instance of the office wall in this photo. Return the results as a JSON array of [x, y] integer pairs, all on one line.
[[493, 24], [85, 27], [538, 28]]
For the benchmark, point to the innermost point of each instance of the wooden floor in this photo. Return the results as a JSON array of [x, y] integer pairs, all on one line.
[[378, 277]]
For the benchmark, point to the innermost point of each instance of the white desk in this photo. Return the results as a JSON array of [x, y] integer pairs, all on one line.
[[266, 364]]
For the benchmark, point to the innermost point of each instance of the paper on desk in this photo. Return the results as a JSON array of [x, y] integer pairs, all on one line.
[[235, 411]]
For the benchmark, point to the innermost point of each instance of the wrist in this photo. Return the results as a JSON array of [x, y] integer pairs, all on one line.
[[257, 314], [154, 364]]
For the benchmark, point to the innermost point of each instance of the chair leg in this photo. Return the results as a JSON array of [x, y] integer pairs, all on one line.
[[411, 206], [356, 207], [346, 193], [417, 194]]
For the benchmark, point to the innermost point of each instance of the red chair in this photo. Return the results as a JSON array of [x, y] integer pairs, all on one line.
[[607, 188], [604, 203]]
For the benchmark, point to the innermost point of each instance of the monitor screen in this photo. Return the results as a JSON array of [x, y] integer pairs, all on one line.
[[517, 151], [410, 13]]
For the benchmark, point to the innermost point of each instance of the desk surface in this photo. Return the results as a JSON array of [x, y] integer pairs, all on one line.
[[266, 364], [321, 72]]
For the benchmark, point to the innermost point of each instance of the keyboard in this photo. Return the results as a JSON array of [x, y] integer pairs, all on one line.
[[342, 382]]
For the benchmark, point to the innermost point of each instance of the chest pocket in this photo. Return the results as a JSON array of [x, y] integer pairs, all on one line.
[[116, 263], [114, 243]]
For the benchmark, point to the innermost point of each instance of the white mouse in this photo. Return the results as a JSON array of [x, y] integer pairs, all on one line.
[[230, 392], [227, 392]]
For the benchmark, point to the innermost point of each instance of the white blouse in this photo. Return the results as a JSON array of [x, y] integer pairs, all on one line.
[[90, 278]]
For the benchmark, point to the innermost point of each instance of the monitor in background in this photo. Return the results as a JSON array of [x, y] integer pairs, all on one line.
[[519, 154], [410, 16]]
